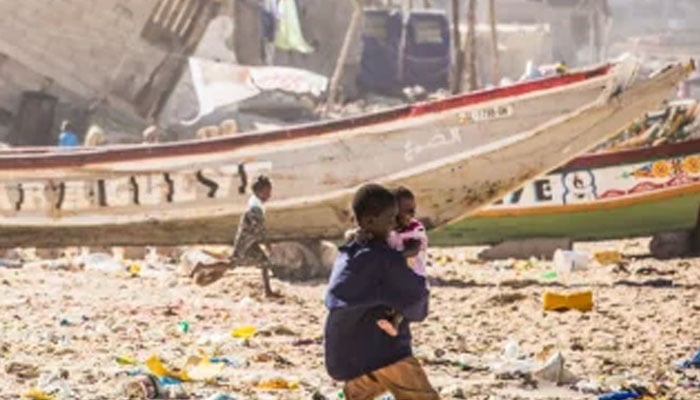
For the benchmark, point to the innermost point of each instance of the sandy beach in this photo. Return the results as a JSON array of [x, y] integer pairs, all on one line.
[[74, 324]]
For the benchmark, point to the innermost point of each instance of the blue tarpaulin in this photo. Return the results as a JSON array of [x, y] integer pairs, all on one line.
[[381, 38], [425, 60], [427, 52]]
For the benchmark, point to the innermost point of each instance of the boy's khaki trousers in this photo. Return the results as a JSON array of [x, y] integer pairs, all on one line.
[[405, 379]]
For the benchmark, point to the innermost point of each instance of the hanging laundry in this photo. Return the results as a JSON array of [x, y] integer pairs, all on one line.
[[270, 18], [289, 35]]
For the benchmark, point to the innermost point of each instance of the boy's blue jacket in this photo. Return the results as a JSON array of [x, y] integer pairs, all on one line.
[[366, 276]]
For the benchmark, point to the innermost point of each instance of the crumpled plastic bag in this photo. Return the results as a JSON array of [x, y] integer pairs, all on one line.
[[554, 371], [102, 262]]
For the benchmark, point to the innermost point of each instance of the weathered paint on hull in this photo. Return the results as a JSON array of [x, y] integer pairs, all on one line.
[[446, 183], [610, 195]]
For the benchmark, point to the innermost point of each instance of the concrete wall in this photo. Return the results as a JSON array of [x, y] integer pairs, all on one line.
[[78, 50], [92, 55], [324, 23], [93, 48], [569, 43], [517, 45]]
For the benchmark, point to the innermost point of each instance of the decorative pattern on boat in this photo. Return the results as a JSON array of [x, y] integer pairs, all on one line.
[[573, 186]]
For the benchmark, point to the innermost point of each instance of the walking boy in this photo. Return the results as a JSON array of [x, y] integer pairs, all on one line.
[[249, 247], [369, 275]]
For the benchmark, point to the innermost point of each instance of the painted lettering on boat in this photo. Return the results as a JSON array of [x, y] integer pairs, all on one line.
[[580, 186], [486, 114], [569, 187], [440, 140], [53, 197], [543, 190]]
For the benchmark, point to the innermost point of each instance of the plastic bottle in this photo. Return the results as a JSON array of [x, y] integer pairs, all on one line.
[[570, 261], [171, 389], [511, 350]]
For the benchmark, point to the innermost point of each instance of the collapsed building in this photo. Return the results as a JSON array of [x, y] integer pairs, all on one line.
[[119, 62]]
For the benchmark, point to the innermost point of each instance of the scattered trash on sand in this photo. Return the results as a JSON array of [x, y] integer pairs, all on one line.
[[122, 336]]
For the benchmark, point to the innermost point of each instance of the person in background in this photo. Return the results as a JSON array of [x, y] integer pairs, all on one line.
[[151, 135], [229, 127], [207, 132], [68, 138], [531, 72], [561, 68], [95, 137]]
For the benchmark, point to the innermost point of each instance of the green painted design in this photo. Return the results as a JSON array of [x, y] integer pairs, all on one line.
[[635, 220]]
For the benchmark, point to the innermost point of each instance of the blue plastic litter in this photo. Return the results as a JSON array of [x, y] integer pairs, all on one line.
[[694, 361], [621, 395], [166, 380]]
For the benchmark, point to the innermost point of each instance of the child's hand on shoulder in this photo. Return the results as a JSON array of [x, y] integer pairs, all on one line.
[[358, 235], [411, 247]]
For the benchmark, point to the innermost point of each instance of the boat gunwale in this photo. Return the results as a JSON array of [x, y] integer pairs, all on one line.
[[28, 159], [631, 156]]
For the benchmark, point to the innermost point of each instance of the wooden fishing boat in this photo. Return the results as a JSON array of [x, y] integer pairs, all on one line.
[[600, 196], [457, 154]]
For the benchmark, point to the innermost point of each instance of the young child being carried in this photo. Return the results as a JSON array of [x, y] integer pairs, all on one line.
[[408, 237]]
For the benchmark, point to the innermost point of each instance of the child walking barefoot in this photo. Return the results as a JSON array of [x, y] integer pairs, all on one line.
[[249, 246]]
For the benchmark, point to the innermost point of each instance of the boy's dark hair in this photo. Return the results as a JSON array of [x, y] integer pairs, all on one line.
[[403, 193], [371, 200], [261, 183]]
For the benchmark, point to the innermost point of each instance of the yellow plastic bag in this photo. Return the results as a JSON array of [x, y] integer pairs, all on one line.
[[135, 269], [159, 369], [277, 384], [608, 257], [37, 394], [125, 360], [244, 332]]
